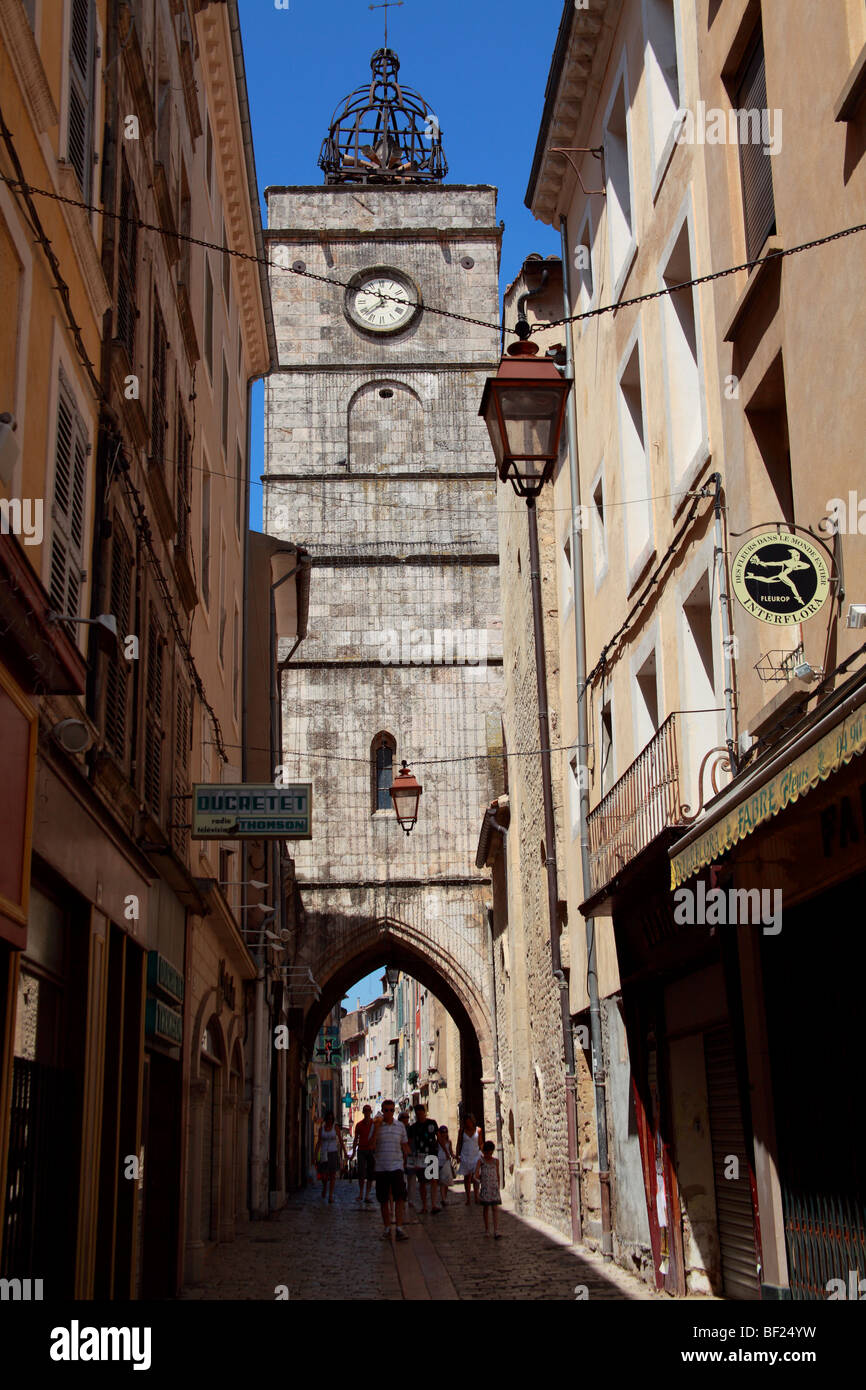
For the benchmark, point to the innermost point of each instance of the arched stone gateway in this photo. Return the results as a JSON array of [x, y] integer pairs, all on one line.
[[338, 950]]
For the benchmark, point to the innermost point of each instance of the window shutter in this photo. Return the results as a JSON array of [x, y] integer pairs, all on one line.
[[153, 719], [128, 244], [70, 478], [759, 210], [81, 64], [117, 671], [182, 456], [182, 745], [157, 391]]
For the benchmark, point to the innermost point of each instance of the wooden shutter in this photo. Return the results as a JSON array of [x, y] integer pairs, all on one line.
[[70, 479], [182, 744], [79, 144], [759, 210], [153, 718], [128, 256], [118, 668], [182, 459], [158, 414]]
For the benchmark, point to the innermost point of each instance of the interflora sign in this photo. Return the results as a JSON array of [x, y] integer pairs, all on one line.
[[780, 577], [251, 811]]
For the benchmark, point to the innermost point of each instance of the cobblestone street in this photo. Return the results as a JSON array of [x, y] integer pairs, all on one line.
[[338, 1252]]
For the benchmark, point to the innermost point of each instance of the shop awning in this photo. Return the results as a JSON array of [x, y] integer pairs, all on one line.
[[790, 774]]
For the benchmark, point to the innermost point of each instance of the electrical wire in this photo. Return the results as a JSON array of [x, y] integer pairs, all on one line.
[[307, 753], [31, 190]]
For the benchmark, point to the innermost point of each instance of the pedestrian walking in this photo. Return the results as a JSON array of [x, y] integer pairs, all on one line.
[[409, 1166], [469, 1152], [446, 1164], [487, 1173], [329, 1150], [391, 1147], [424, 1140], [365, 1133]]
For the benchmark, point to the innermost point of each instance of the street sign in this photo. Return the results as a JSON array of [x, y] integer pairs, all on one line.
[[251, 811]]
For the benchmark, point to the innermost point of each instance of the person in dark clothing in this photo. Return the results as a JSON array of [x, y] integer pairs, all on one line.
[[424, 1139]]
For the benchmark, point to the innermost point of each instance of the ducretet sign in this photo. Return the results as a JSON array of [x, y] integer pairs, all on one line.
[[252, 811]]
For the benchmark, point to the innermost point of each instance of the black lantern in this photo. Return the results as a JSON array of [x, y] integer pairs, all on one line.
[[524, 407], [405, 793], [392, 975]]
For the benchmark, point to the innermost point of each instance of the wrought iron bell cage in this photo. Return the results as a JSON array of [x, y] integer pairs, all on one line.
[[383, 133]]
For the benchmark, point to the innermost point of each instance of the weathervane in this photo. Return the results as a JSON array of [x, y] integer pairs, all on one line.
[[389, 4]]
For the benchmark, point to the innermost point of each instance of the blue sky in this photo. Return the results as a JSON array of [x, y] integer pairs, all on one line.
[[481, 65]]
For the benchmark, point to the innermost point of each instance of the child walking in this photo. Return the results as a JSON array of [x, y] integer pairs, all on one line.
[[487, 1176]]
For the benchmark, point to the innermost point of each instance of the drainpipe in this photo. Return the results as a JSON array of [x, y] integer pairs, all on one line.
[[725, 611], [597, 1047]]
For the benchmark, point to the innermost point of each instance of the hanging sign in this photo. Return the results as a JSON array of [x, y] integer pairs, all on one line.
[[245, 810], [780, 578]]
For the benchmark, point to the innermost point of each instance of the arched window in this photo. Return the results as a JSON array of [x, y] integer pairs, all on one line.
[[382, 751]]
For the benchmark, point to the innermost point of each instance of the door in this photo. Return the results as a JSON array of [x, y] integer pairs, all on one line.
[[734, 1210]]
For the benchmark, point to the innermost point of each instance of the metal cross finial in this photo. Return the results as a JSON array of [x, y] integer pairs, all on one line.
[[389, 4]]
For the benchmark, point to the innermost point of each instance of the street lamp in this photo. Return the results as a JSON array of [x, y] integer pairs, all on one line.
[[406, 793], [523, 408], [392, 975]]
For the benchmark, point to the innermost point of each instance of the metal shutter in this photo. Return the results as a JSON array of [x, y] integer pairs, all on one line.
[[733, 1195], [759, 210]]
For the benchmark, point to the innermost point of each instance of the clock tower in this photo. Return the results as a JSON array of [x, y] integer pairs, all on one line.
[[376, 460]]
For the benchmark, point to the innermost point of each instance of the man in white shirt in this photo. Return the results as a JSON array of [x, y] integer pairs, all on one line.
[[391, 1146]]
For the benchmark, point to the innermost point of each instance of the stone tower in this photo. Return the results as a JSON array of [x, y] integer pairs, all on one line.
[[377, 461]]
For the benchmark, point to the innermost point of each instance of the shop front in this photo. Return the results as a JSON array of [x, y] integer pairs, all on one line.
[[791, 833]]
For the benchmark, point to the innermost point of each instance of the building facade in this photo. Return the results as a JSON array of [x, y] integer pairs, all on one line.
[[695, 428], [141, 955]]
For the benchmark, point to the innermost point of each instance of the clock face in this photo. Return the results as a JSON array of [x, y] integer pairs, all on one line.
[[380, 302]]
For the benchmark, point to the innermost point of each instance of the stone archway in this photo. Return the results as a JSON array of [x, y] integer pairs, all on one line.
[[338, 950]]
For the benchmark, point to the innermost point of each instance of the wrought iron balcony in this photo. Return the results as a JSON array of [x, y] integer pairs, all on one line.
[[642, 803]]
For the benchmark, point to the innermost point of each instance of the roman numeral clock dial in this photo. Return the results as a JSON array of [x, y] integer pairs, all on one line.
[[380, 301]]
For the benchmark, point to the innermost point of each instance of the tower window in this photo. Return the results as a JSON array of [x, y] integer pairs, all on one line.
[[382, 753]]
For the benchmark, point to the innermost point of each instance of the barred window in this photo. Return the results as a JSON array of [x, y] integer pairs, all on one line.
[[382, 752]]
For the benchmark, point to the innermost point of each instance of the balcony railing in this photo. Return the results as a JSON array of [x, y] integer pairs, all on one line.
[[637, 808]]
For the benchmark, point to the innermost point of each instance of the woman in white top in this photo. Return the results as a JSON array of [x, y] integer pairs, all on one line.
[[329, 1149], [469, 1151]]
